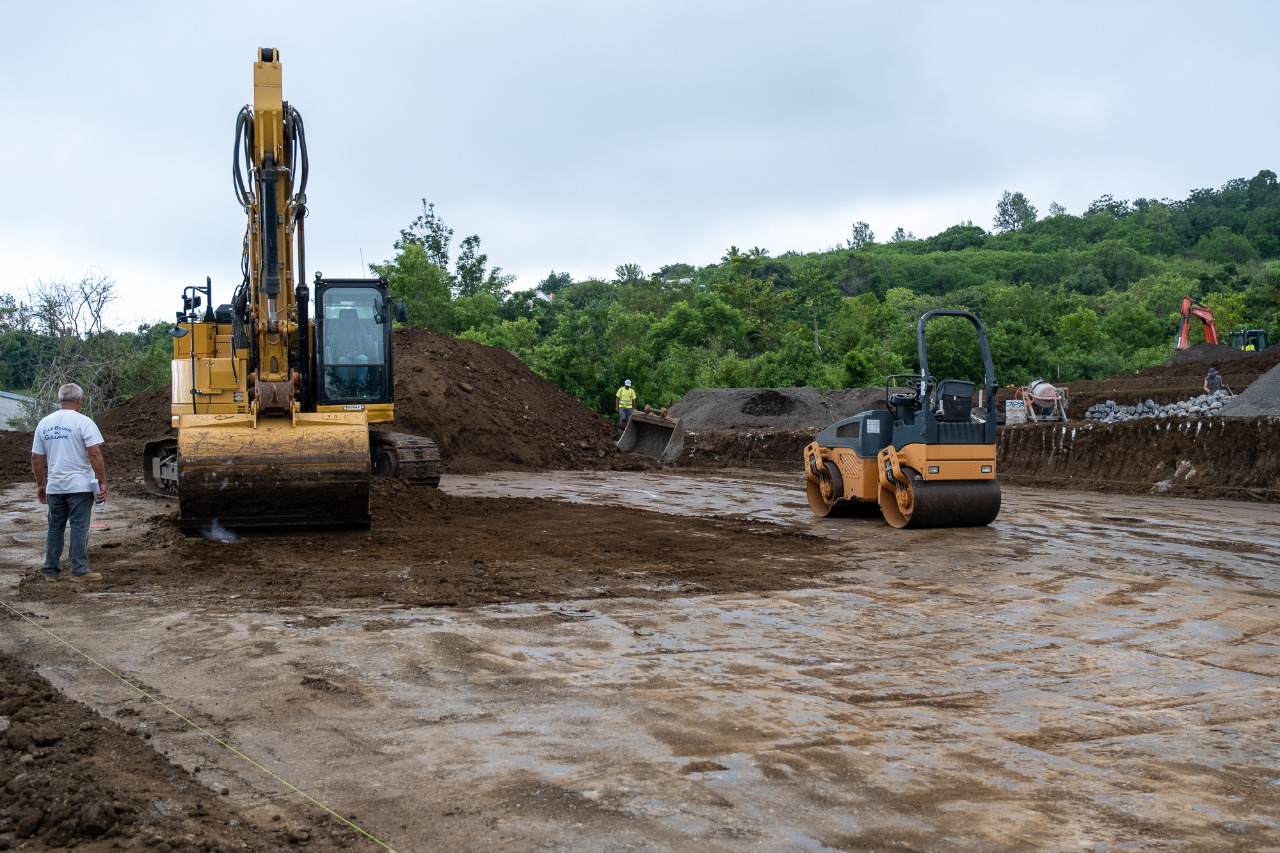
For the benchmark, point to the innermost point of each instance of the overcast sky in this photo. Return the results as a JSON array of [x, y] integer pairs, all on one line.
[[579, 136]]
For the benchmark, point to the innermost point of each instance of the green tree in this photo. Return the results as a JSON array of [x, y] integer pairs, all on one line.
[[862, 235], [1014, 212], [1223, 246], [629, 273], [429, 232], [416, 280], [1080, 330]]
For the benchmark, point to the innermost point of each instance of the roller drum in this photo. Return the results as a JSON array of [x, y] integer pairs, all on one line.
[[940, 503]]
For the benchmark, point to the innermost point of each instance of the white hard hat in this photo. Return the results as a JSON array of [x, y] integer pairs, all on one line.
[[627, 382]]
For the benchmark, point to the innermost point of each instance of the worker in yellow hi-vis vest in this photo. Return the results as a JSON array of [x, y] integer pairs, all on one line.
[[626, 401]]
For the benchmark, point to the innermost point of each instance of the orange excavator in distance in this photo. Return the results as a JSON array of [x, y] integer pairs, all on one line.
[[1192, 308]]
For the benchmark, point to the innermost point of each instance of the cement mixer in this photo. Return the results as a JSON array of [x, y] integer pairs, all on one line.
[[1044, 401], [653, 434]]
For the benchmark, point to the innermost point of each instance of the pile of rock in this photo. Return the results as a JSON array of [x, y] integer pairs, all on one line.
[[1202, 406]]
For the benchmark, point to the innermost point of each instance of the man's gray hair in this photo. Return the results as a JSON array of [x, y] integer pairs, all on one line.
[[70, 392]]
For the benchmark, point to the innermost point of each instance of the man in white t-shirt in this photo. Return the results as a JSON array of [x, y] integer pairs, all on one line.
[[66, 457]]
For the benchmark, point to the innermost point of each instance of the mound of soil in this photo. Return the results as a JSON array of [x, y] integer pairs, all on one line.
[[1214, 354], [1261, 398], [778, 448], [15, 456], [70, 778], [764, 408], [1196, 457], [139, 419], [487, 411]]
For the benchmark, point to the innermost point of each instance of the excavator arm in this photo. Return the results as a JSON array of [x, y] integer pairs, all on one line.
[[1192, 308], [272, 138]]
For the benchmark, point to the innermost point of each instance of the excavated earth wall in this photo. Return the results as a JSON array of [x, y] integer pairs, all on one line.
[[1199, 457]]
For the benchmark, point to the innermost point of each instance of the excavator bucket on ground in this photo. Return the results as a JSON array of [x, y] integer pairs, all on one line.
[[653, 434], [241, 472]]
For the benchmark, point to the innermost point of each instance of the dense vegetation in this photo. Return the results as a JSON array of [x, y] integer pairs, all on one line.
[[1065, 297]]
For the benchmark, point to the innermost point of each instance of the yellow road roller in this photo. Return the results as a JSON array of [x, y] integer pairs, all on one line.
[[924, 461]]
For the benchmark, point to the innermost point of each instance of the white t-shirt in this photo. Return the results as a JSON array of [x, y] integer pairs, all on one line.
[[64, 438]]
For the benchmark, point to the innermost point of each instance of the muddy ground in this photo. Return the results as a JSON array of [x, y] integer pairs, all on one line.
[[568, 648], [543, 661]]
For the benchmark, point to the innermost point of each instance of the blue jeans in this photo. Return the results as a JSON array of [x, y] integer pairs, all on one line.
[[76, 508]]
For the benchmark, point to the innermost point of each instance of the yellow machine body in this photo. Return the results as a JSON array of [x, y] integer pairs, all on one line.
[[258, 445], [924, 460]]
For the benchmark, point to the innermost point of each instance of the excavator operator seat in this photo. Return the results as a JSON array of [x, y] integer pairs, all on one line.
[[955, 400]]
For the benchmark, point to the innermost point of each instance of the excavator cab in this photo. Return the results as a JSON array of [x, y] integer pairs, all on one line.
[[1249, 340], [353, 343]]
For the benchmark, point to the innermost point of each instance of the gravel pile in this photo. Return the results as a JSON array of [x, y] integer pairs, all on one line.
[[1205, 404], [1262, 398]]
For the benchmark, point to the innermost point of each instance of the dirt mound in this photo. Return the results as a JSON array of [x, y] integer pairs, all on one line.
[[764, 408], [69, 778], [1206, 354], [15, 456], [777, 448], [488, 411], [1260, 398], [141, 418]]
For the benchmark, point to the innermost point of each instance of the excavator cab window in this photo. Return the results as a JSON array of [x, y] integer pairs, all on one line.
[[352, 345]]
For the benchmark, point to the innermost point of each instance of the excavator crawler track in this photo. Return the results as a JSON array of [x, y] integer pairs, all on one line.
[[412, 458]]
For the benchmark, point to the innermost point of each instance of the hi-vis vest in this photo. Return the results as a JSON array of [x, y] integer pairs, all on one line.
[[626, 398]]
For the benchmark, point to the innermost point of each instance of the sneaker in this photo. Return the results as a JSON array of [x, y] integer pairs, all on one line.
[[51, 578], [87, 576]]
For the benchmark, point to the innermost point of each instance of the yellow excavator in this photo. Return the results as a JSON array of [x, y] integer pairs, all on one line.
[[272, 405], [924, 461]]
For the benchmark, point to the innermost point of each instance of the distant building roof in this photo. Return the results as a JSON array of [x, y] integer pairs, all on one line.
[[9, 395]]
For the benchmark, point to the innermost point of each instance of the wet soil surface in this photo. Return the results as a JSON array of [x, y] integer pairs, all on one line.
[[73, 778], [430, 548], [1087, 673]]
